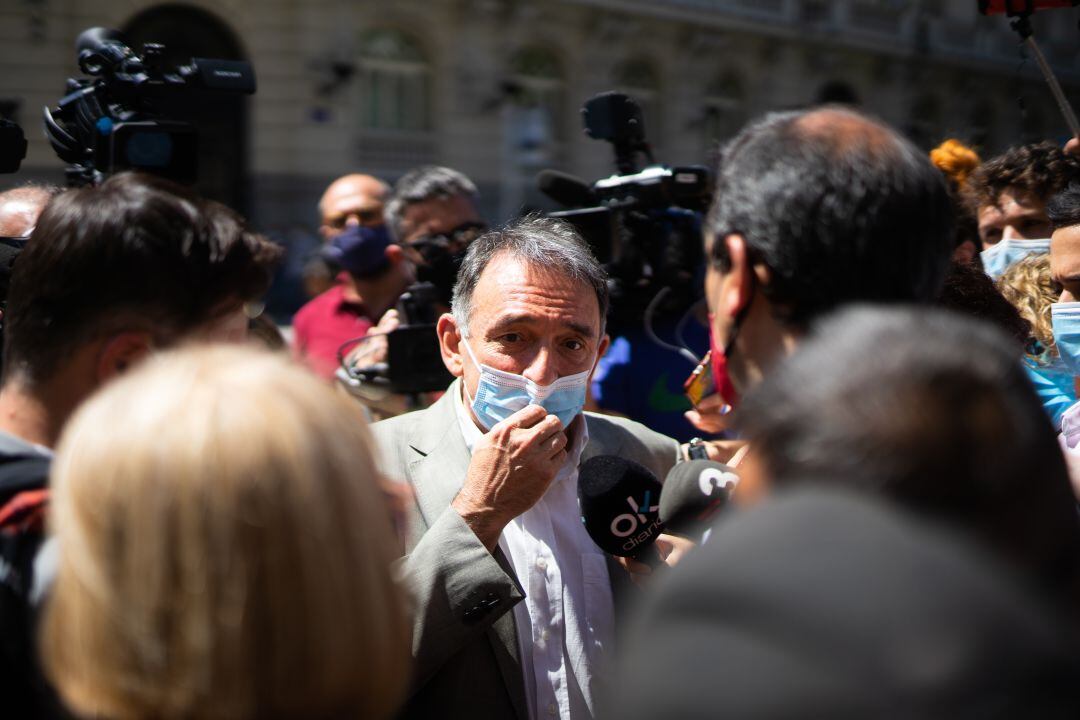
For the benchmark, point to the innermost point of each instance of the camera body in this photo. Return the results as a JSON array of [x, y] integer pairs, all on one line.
[[109, 121], [643, 223]]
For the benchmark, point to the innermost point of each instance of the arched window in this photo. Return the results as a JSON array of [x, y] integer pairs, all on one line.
[[725, 109], [395, 79], [639, 78], [540, 90]]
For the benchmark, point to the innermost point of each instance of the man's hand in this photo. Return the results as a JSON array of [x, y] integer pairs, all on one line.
[[512, 467], [374, 349]]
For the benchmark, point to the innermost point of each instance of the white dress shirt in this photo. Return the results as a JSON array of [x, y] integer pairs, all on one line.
[[566, 621]]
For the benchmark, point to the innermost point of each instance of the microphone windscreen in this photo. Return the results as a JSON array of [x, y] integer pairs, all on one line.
[[620, 504], [693, 493], [566, 189]]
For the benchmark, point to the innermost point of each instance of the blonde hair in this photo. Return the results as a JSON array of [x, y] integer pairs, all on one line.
[[225, 548], [956, 160], [1031, 289]]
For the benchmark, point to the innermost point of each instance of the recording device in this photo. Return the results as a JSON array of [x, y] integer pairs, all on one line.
[[620, 505], [413, 362], [644, 222], [109, 121], [701, 383], [693, 493]]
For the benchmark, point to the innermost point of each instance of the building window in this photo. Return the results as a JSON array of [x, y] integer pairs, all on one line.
[[539, 91], [725, 109], [395, 80], [639, 79]]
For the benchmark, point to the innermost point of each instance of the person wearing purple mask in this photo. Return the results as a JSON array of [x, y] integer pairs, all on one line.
[[374, 273]]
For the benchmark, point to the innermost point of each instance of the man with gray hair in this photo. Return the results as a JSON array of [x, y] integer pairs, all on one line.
[[514, 601], [433, 215]]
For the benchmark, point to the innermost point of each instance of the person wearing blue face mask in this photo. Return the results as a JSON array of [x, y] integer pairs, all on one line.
[[1009, 195], [515, 602]]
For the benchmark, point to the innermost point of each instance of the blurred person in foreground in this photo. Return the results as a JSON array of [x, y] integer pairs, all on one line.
[[1009, 194], [1030, 286], [815, 210], [114, 273], [515, 602], [932, 411], [827, 602], [225, 549]]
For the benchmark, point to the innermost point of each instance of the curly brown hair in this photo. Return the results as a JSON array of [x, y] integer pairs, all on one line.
[[1041, 169]]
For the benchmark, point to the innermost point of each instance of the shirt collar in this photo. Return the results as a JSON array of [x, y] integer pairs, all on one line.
[[578, 433]]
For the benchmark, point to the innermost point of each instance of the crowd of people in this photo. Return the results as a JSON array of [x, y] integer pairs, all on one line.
[[204, 516]]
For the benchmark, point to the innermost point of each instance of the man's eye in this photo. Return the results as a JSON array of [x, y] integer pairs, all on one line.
[[511, 337], [575, 345]]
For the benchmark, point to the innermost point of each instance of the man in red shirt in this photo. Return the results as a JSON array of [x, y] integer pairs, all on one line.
[[374, 273]]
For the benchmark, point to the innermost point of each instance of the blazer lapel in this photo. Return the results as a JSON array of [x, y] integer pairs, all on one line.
[[440, 461]]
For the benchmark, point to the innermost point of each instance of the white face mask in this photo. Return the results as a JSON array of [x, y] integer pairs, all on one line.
[[998, 259], [500, 394]]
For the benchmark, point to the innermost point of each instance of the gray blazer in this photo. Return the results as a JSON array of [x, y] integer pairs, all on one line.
[[464, 636]]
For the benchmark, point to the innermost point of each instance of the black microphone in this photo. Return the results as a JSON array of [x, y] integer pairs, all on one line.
[[620, 503], [694, 492], [566, 189]]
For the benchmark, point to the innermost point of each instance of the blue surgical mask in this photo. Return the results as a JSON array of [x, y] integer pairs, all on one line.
[[500, 394], [1066, 320], [997, 259]]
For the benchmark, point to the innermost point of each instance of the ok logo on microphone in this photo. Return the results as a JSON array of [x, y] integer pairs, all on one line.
[[627, 524]]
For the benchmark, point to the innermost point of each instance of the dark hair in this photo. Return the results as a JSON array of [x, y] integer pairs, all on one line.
[[135, 252], [425, 183], [543, 242], [970, 291], [1064, 207], [1041, 169], [932, 410], [838, 206]]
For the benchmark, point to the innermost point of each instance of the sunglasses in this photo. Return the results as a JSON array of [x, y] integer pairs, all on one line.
[[453, 241]]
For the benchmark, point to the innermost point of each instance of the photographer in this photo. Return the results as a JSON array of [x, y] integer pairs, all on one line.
[[433, 217]]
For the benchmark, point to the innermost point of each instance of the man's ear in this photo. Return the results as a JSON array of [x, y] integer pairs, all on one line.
[[450, 344], [327, 233], [120, 352], [605, 343], [737, 288]]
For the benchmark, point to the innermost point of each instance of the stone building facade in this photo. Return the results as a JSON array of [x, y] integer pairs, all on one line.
[[494, 87]]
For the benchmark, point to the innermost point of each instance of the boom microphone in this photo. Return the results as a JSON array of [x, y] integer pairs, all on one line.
[[620, 503], [694, 492], [566, 189]]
